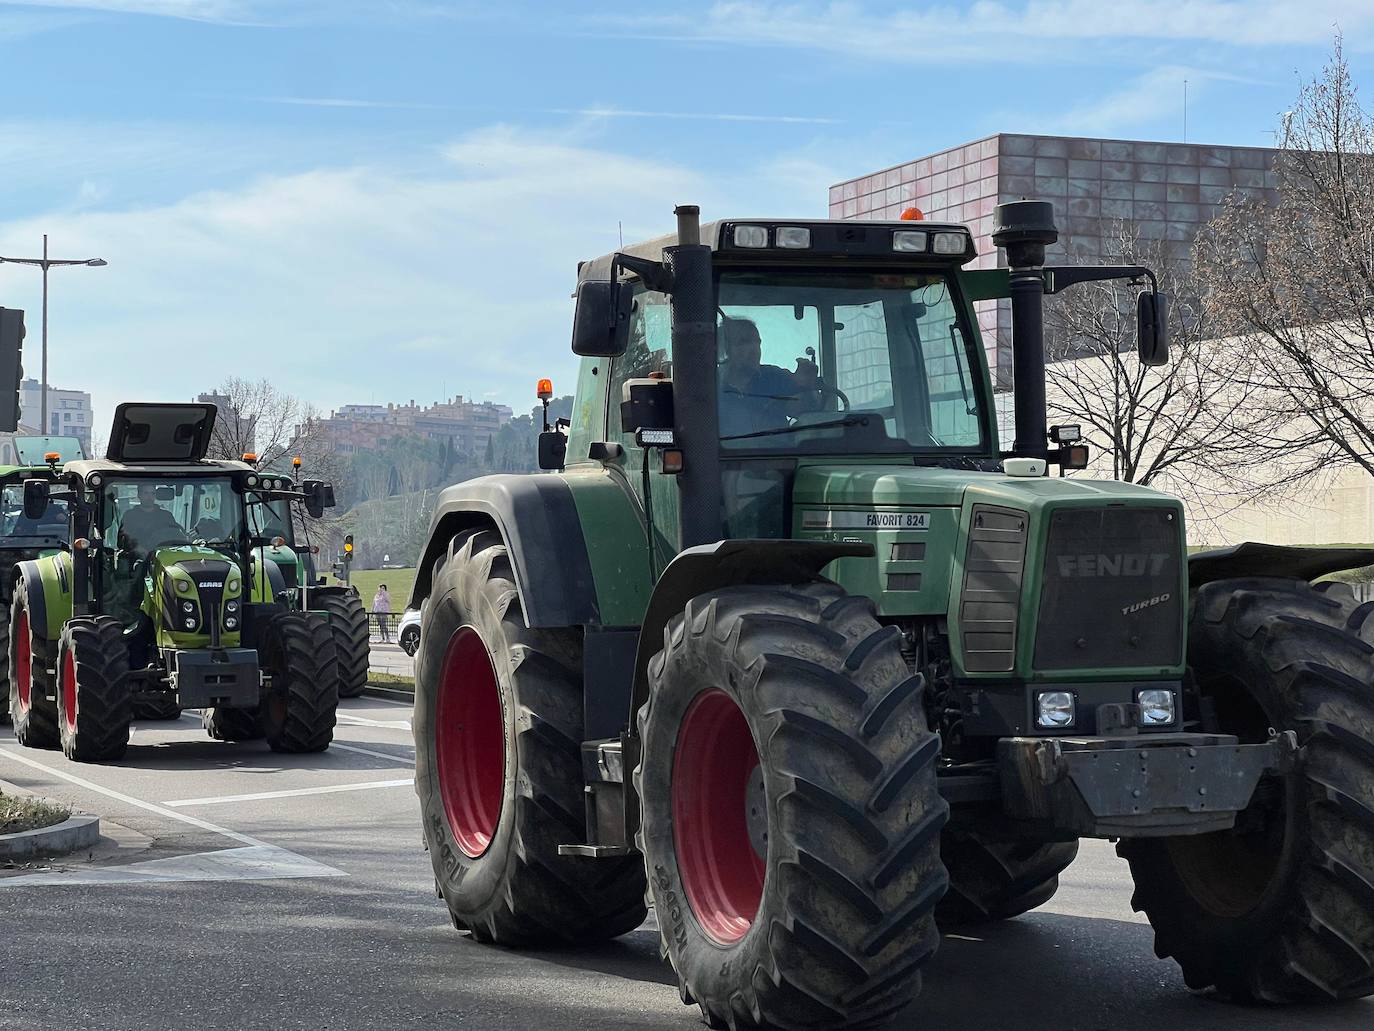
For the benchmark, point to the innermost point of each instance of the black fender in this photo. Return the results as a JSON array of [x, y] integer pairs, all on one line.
[[537, 519], [28, 575], [1250, 559]]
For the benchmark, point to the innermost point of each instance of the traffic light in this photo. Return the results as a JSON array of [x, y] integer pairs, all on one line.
[[11, 366], [348, 548]]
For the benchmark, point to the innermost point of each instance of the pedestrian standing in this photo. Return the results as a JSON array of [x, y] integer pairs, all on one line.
[[381, 610]]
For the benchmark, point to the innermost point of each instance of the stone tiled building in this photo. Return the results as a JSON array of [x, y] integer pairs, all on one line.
[[1168, 189], [465, 424]]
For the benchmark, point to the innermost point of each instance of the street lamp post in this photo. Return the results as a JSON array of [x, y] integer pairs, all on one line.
[[46, 263]]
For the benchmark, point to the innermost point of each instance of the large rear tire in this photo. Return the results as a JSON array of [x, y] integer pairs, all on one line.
[[301, 700], [790, 816], [1281, 908], [32, 701], [94, 703], [348, 624], [993, 880], [498, 734]]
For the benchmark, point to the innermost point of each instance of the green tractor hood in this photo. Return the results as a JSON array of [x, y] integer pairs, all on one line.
[[192, 588]]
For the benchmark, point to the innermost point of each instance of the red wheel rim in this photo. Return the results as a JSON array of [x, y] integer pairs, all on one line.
[[470, 742], [713, 764], [23, 661], [69, 690]]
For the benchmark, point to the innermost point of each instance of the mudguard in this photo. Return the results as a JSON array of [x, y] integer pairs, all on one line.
[[539, 522], [47, 583], [1273, 560]]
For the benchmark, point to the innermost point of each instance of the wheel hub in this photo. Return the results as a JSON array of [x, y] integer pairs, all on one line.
[[470, 743], [720, 816]]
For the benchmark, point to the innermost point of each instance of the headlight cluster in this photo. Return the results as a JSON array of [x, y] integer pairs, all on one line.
[[1058, 710], [267, 482]]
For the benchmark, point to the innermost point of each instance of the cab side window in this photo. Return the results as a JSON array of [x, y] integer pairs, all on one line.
[[649, 351]]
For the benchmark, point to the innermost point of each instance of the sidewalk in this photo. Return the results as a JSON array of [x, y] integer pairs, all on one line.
[[388, 658]]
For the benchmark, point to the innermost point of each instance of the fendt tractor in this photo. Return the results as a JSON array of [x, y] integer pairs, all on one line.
[[784, 638], [156, 602], [23, 538], [289, 568]]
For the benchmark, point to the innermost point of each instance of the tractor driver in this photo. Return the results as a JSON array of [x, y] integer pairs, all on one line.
[[754, 396], [148, 524]]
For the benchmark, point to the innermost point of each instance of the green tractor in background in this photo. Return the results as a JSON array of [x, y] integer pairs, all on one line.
[[23, 538], [807, 657], [157, 603], [286, 572]]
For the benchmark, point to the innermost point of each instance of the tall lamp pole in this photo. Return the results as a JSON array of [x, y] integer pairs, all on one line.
[[46, 263]]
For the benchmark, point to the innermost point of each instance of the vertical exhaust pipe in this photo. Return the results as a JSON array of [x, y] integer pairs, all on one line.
[[1024, 228], [692, 310]]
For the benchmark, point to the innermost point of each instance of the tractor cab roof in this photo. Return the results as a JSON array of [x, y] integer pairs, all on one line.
[[157, 433], [20, 473], [812, 241], [166, 470]]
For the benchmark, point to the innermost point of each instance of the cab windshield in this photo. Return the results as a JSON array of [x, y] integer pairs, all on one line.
[[144, 514], [269, 519], [14, 523], [850, 362]]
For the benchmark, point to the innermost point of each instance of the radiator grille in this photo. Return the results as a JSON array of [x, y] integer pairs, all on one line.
[[991, 595], [1112, 595]]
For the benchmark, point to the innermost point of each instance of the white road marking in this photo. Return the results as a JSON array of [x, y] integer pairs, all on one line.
[[377, 755], [254, 863], [390, 701], [119, 796], [363, 721], [327, 789]]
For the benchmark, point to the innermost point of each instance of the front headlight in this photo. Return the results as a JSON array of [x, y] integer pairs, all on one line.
[[232, 586], [1157, 707], [1054, 710], [183, 586]]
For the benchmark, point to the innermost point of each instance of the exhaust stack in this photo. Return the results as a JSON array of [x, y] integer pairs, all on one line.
[[1024, 228]]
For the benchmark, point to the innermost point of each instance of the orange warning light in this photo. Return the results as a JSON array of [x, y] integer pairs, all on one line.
[[913, 215], [544, 389]]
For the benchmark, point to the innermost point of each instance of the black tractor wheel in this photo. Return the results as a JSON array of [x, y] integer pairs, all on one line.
[[32, 702], [1280, 908], [498, 733], [5, 666], [993, 880], [790, 816], [301, 698], [224, 724], [348, 623], [94, 703], [157, 707]]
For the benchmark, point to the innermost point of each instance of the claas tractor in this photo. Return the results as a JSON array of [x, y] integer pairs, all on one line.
[[22, 538], [156, 602], [285, 572], [785, 638]]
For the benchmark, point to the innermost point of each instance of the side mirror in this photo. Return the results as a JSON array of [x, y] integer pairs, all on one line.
[[1152, 327], [601, 323], [36, 498], [553, 449], [318, 496]]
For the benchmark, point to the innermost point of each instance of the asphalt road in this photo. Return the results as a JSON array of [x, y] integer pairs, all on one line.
[[221, 904]]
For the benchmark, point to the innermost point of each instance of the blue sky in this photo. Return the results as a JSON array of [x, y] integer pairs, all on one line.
[[380, 200]]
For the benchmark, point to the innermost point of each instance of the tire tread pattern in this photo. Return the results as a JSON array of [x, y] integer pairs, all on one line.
[[348, 624], [301, 665], [104, 701]]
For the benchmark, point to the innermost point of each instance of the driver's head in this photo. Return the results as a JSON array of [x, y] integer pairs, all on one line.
[[147, 495], [742, 346]]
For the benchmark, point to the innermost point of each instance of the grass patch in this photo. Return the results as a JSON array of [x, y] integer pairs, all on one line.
[[395, 681], [27, 814], [398, 584]]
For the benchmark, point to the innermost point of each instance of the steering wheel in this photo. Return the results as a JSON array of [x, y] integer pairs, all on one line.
[[827, 390]]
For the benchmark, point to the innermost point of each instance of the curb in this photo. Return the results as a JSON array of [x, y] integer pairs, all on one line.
[[389, 693], [68, 836]]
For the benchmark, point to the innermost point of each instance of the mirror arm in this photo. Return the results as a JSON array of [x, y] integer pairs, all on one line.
[[652, 273], [1061, 277]]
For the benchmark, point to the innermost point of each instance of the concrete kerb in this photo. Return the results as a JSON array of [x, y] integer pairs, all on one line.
[[389, 693], [75, 833]]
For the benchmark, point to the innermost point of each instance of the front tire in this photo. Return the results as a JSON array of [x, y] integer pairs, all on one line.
[[32, 702], [348, 624], [225, 724], [94, 703], [1280, 908], [992, 880], [790, 816], [301, 700], [157, 707], [498, 734]]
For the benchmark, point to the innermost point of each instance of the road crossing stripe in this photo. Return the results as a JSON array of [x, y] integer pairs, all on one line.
[[326, 789]]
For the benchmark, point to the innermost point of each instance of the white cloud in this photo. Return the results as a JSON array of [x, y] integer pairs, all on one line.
[[233, 11], [995, 30], [365, 283]]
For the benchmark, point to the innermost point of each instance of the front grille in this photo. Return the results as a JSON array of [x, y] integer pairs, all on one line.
[[991, 596], [1112, 596]]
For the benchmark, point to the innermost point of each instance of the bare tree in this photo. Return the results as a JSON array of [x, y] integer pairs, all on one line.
[[1294, 282], [255, 416], [1185, 427]]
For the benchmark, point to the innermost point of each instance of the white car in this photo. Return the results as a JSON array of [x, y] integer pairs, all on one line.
[[408, 631]]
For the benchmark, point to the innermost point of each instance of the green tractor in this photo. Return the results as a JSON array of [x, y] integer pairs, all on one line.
[[285, 572], [22, 538], [156, 604], [804, 654]]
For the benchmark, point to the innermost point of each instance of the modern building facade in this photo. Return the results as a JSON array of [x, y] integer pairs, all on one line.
[[1168, 190], [69, 412]]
